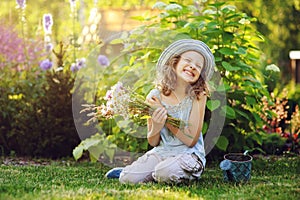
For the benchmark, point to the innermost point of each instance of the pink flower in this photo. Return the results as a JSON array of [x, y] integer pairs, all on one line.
[[108, 95], [14, 53]]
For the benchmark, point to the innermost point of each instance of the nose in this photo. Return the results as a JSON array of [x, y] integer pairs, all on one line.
[[193, 66]]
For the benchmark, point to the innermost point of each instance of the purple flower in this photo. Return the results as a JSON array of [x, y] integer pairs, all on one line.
[[103, 60], [80, 63], [47, 22], [49, 47], [46, 64], [74, 67], [73, 3], [21, 3]]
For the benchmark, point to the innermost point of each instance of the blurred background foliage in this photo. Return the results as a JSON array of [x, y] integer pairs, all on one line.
[[29, 98], [278, 21]]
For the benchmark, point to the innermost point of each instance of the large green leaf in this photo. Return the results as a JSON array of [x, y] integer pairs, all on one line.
[[226, 51], [110, 153], [213, 104], [229, 112], [241, 113], [222, 143], [241, 50], [250, 100], [229, 67], [77, 152]]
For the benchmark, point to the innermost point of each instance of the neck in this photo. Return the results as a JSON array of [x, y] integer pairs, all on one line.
[[179, 93]]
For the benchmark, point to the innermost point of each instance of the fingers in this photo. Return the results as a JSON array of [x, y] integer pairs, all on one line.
[[154, 101], [160, 115]]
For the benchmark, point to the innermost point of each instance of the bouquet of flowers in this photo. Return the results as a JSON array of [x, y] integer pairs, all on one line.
[[120, 101]]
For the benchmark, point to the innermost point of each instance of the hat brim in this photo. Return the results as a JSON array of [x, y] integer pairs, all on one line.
[[180, 46]]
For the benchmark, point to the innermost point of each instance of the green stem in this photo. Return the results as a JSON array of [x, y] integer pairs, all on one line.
[[74, 43], [23, 32]]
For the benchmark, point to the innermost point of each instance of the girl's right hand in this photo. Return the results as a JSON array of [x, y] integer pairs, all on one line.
[[159, 118]]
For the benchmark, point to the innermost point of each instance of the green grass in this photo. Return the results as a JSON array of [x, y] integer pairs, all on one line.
[[272, 178]]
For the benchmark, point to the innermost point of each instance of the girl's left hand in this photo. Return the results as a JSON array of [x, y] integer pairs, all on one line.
[[154, 102]]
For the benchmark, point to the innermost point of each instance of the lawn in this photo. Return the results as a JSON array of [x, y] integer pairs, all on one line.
[[272, 178]]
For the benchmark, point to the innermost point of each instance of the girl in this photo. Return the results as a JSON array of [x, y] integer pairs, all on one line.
[[178, 154]]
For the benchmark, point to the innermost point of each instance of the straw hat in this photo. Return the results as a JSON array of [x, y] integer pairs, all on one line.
[[180, 46]]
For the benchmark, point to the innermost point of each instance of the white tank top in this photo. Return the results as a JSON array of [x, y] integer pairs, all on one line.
[[171, 145]]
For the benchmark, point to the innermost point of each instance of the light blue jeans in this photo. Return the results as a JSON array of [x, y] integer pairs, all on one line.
[[151, 166]]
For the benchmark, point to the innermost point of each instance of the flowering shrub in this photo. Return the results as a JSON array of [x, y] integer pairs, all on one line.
[[275, 113], [278, 122], [233, 40], [17, 52]]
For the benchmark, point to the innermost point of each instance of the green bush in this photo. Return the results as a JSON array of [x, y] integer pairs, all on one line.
[[36, 114], [233, 40]]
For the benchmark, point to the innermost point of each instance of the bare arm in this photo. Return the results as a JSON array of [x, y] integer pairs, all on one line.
[[190, 135], [156, 122]]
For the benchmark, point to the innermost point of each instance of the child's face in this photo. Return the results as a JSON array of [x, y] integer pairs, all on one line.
[[190, 66]]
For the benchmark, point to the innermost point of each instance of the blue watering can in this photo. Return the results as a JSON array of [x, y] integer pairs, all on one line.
[[236, 167]]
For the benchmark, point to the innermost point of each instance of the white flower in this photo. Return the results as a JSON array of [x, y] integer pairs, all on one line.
[[163, 15], [192, 8], [173, 7], [244, 21], [273, 68], [159, 5], [117, 100], [229, 7], [209, 12]]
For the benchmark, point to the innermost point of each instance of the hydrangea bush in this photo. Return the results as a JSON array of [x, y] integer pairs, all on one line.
[[234, 42]]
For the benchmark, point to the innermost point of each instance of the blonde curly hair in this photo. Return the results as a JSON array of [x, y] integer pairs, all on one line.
[[167, 79]]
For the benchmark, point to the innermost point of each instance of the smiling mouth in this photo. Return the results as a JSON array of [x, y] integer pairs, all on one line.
[[189, 73]]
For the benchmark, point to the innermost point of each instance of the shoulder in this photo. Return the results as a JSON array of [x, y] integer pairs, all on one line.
[[154, 92], [202, 98]]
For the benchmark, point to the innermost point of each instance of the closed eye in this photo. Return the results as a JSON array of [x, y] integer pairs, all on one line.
[[187, 60], [199, 66]]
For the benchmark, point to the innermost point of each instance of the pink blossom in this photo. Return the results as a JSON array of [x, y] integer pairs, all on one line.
[[18, 52], [108, 95]]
